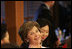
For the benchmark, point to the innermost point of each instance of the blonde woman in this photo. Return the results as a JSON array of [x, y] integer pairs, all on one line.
[[30, 34]]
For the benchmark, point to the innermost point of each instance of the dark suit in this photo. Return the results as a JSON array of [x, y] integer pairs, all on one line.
[[43, 12]]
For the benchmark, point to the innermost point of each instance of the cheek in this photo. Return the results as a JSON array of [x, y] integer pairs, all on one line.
[[31, 38], [48, 34], [44, 36]]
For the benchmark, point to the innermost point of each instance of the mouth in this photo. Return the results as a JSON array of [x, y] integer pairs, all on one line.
[[37, 38], [44, 37]]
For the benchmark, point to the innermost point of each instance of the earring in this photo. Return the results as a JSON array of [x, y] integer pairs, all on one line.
[[27, 40]]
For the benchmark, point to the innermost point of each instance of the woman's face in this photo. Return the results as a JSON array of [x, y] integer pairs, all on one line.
[[34, 35], [44, 32]]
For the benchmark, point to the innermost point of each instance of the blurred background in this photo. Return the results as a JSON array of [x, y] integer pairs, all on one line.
[[62, 11]]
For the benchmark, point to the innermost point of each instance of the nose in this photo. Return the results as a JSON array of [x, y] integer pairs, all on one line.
[[37, 35]]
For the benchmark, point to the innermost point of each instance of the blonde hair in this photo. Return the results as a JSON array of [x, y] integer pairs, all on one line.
[[26, 27]]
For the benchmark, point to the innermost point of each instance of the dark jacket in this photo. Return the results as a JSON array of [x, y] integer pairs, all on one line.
[[45, 14]]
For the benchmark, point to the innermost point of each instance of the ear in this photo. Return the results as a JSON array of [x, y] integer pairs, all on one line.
[[27, 40]]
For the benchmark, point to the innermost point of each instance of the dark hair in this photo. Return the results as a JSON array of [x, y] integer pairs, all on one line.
[[44, 1], [26, 27], [43, 22], [52, 38], [9, 45], [3, 30]]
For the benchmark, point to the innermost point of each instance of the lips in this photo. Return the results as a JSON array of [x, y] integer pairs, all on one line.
[[37, 38], [44, 37]]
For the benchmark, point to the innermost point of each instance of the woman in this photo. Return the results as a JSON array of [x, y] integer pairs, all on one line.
[[30, 34], [48, 35]]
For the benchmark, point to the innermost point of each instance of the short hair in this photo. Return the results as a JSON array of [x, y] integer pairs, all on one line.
[[27, 26], [3, 30], [9, 45]]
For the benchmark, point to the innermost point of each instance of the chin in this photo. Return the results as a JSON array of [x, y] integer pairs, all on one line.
[[37, 41]]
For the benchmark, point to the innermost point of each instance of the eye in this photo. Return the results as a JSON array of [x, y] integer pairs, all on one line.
[[42, 31], [47, 31], [31, 33], [37, 31]]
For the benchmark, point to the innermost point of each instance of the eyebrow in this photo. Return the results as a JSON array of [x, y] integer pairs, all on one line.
[[31, 32], [44, 30]]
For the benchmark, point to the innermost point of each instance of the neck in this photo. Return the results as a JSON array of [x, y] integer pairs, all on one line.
[[34, 45]]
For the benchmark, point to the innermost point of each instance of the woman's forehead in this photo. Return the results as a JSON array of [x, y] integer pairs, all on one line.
[[33, 29], [45, 27]]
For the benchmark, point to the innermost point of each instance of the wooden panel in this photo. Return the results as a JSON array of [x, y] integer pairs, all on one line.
[[14, 19]]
